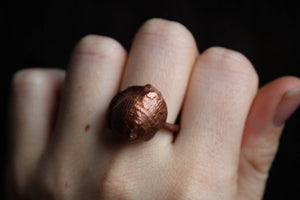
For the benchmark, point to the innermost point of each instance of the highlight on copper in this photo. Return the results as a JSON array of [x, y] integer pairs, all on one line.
[[138, 112]]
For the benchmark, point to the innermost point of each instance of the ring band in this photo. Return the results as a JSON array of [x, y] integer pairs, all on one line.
[[138, 112], [171, 127]]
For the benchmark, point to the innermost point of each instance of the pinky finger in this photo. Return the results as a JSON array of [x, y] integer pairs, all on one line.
[[33, 105]]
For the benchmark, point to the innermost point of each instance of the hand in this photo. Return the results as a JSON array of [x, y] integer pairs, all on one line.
[[229, 129]]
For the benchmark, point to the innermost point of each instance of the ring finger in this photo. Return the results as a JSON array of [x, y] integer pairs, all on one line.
[[162, 54]]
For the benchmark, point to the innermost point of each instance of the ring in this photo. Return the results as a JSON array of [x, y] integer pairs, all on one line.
[[138, 112]]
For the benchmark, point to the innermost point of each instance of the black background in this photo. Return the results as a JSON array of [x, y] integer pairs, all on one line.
[[43, 35]]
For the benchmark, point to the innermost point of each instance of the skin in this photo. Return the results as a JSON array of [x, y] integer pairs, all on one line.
[[61, 148]]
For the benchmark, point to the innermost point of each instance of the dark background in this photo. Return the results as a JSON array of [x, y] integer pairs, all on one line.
[[43, 35]]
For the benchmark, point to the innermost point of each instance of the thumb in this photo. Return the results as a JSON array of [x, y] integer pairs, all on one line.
[[273, 105]]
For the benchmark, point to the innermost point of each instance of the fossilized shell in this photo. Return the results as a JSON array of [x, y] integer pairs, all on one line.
[[137, 113]]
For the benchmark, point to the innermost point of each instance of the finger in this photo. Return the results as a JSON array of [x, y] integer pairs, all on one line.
[[272, 106], [162, 54], [92, 78], [33, 106], [221, 90]]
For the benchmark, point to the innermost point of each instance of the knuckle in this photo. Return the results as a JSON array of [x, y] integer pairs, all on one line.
[[99, 46], [189, 187], [261, 157], [53, 182], [16, 183], [170, 32], [116, 184], [233, 62], [190, 179], [34, 77], [228, 177], [203, 177]]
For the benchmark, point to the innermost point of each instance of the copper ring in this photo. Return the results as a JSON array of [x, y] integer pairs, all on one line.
[[138, 112]]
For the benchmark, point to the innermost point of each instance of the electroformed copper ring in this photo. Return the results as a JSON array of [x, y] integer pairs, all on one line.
[[138, 112]]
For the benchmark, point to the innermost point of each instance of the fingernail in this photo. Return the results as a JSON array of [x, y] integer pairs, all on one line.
[[287, 106]]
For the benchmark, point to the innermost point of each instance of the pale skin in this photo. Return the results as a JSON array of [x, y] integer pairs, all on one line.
[[60, 146]]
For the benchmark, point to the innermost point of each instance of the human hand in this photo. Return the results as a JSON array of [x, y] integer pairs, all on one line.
[[227, 141]]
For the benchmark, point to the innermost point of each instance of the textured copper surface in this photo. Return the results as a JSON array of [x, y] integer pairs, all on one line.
[[138, 112]]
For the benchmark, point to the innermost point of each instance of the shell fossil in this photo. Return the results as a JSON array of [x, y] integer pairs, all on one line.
[[137, 113]]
